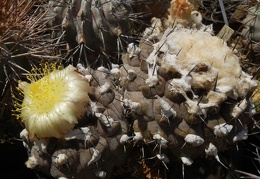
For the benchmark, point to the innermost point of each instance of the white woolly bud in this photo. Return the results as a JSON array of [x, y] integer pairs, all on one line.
[[96, 110], [106, 120], [152, 79], [134, 106], [103, 69], [101, 174], [211, 150], [167, 109], [95, 157], [239, 108], [115, 72], [160, 140], [196, 18], [163, 158], [194, 140], [88, 77], [242, 135], [133, 50], [40, 145], [104, 88], [224, 89], [82, 133], [124, 138], [186, 160], [138, 136], [81, 69], [131, 74], [61, 159], [244, 84], [222, 130], [114, 65], [196, 109], [31, 162], [24, 135], [182, 84]]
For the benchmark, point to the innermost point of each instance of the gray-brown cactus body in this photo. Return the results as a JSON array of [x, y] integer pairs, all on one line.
[[97, 27], [187, 103], [97, 32], [185, 96], [175, 93]]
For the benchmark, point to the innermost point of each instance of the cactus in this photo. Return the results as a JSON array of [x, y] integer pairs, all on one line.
[[248, 16], [97, 31], [173, 93]]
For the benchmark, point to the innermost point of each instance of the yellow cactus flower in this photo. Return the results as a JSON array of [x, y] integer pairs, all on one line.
[[53, 104]]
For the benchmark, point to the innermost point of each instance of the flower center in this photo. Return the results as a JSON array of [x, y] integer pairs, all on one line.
[[45, 94]]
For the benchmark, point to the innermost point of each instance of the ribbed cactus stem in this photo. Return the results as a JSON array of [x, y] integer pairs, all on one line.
[[173, 94]]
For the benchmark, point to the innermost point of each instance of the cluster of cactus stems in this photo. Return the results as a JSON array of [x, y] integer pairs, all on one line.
[[174, 92], [97, 31], [168, 90]]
